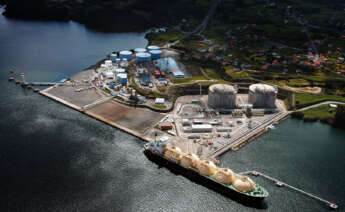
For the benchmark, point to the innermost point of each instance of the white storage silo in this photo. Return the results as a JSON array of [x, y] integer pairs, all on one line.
[[125, 54], [262, 95], [222, 96], [155, 54], [143, 57]]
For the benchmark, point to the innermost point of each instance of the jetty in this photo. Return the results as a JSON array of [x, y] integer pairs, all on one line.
[[282, 184]]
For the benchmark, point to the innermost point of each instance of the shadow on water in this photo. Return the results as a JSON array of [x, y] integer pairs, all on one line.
[[200, 180]]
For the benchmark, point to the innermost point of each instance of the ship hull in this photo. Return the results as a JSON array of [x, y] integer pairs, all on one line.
[[250, 201]]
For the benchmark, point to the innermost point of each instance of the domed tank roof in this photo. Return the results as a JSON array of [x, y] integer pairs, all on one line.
[[153, 47], [143, 55], [222, 89], [262, 88], [125, 52], [244, 184], [156, 51], [137, 50]]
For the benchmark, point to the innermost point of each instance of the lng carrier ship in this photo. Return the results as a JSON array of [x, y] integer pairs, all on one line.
[[205, 172]]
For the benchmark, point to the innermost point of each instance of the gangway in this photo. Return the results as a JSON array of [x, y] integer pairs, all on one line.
[[282, 184]]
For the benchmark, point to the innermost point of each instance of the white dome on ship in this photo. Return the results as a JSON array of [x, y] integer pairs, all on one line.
[[207, 167], [189, 160], [244, 184], [172, 152], [225, 176]]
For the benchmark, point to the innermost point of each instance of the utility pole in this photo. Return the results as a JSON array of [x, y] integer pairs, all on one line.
[[200, 89]]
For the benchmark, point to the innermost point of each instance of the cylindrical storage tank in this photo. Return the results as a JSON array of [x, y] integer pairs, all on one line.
[[122, 78], [118, 61], [207, 167], [153, 48], [108, 75], [222, 96], [155, 54], [143, 57], [125, 54], [139, 50], [108, 63], [103, 68], [113, 57], [244, 184], [120, 70], [262, 96], [188, 161], [225, 176]]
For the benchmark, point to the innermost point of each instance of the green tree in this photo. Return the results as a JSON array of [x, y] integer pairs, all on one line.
[[339, 119]]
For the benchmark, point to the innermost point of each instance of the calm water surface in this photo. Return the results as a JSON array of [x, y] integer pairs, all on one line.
[[53, 158]]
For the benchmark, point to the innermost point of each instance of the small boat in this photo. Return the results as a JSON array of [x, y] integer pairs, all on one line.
[[271, 127]]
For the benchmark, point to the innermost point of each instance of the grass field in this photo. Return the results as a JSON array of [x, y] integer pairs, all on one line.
[[303, 99], [189, 80], [211, 73], [321, 112], [161, 107]]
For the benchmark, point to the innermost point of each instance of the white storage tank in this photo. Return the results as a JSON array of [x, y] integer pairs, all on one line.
[[222, 96], [125, 54], [108, 63], [139, 50], [143, 57], [153, 48], [262, 95], [155, 54], [120, 70], [108, 75]]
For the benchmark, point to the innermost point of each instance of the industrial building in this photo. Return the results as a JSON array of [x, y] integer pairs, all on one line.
[[222, 96], [262, 96]]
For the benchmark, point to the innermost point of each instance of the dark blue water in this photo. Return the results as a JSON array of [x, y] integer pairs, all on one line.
[[53, 158]]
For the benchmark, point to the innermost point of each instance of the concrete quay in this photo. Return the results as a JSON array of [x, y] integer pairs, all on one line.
[[245, 137]]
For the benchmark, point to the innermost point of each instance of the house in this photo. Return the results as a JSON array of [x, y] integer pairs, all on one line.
[[159, 101]]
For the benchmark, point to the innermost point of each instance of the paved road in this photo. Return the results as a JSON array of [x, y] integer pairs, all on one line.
[[319, 104]]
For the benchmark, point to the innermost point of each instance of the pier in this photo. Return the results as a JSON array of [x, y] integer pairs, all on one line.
[[43, 83], [282, 184]]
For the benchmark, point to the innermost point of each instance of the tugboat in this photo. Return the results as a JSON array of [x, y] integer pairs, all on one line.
[[202, 171]]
